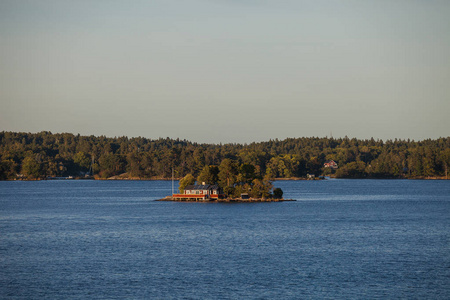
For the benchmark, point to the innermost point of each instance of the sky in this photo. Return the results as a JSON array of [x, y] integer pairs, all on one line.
[[226, 71]]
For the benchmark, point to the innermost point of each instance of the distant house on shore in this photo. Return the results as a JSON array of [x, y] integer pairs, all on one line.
[[199, 192], [330, 164], [245, 196]]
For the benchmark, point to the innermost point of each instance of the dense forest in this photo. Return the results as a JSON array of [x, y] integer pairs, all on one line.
[[44, 154]]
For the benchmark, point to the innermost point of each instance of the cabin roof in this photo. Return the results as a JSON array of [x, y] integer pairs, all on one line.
[[194, 187]]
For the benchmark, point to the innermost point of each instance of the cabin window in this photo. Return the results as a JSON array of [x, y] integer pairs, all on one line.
[[197, 192]]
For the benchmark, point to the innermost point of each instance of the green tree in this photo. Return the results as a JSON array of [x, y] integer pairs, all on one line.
[[276, 168], [65, 154], [52, 168], [109, 165], [185, 181], [134, 164], [30, 167], [82, 160], [428, 162], [227, 173], [241, 189], [147, 164], [209, 175], [278, 193], [445, 158], [351, 170], [247, 173], [7, 169], [261, 188]]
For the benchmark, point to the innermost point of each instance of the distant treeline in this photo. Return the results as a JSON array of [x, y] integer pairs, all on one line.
[[44, 154]]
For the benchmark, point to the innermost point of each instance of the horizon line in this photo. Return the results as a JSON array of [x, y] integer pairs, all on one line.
[[230, 143]]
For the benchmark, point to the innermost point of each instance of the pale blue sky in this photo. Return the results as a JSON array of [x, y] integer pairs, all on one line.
[[226, 71]]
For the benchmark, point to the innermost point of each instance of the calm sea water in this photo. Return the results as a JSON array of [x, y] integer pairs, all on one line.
[[358, 239]]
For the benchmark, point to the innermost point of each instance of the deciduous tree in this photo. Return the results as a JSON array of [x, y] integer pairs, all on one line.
[[185, 181]]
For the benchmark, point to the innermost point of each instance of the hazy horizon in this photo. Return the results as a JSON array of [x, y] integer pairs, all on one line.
[[226, 71], [241, 143]]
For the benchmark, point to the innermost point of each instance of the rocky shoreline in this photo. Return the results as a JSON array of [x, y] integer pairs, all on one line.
[[228, 200]]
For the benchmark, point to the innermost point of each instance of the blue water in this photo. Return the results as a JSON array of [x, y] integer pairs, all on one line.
[[343, 239]]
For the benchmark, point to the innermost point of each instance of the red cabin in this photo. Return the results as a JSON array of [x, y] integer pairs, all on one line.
[[202, 192]]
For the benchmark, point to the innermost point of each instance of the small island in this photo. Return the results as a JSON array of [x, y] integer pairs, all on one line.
[[212, 193], [227, 182]]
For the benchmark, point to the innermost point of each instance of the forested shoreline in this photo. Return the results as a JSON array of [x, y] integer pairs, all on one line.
[[44, 154]]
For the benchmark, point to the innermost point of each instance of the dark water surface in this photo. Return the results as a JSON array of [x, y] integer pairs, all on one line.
[[358, 239]]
